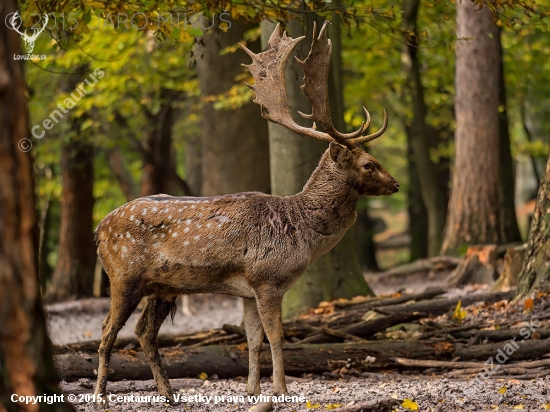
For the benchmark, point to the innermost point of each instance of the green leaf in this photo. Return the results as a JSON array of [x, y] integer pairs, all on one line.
[[194, 31]]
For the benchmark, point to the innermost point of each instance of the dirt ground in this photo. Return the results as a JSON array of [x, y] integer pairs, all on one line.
[[423, 392], [411, 392]]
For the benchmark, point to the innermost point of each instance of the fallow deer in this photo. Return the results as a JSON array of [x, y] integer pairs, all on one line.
[[251, 245]]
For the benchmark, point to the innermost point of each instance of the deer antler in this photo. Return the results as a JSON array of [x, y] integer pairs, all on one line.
[[268, 69]]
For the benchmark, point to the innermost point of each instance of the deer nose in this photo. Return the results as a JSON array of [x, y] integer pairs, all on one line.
[[396, 186]]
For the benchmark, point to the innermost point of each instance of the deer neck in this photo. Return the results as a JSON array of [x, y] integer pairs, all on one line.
[[328, 203]]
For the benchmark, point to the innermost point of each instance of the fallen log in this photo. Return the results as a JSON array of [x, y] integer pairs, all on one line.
[[231, 361], [422, 265], [164, 341], [437, 307], [366, 305], [423, 363], [376, 302], [367, 328], [526, 349], [92, 305], [498, 335]]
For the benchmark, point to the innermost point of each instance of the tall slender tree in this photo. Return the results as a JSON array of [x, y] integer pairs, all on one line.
[[434, 199], [508, 221], [474, 208], [73, 276]]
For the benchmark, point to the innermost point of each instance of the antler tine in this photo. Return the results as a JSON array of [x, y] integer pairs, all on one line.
[[316, 69], [364, 139], [268, 70]]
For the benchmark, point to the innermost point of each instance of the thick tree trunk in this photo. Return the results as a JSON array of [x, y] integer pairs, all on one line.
[[25, 349], [433, 197], [474, 208], [293, 158], [73, 276], [535, 273], [507, 178], [235, 147]]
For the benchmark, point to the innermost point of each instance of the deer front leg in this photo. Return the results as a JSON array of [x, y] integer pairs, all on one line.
[[255, 337], [269, 308], [147, 328]]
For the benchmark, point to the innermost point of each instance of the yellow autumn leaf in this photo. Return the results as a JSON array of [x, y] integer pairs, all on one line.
[[333, 406], [520, 406], [203, 376], [410, 404], [502, 390], [309, 405], [459, 313], [546, 405]]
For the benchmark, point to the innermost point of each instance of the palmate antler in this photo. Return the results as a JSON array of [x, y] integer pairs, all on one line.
[[268, 70]]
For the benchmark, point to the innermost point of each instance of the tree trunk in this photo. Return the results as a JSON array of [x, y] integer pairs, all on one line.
[[157, 149], [117, 164], [434, 199], [25, 349], [234, 143], [73, 276], [535, 273], [474, 208], [507, 178], [293, 158], [418, 215], [193, 156]]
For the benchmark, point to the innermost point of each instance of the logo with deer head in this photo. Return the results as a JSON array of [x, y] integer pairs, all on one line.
[[16, 22]]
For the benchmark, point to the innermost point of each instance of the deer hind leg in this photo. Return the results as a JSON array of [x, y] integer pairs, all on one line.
[[123, 303], [255, 338], [154, 314], [269, 308]]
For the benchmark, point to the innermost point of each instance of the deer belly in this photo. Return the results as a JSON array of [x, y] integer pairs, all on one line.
[[237, 286]]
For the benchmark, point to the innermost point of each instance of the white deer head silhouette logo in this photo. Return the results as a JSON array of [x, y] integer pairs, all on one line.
[[29, 40]]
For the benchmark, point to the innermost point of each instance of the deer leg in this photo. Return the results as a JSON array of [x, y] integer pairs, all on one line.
[[123, 304], [269, 308], [255, 337], [147, 328]]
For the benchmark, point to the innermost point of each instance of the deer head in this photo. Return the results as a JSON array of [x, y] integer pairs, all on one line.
[[29, 40], [364, 172]]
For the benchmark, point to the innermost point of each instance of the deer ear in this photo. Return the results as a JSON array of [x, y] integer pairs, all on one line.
[[340, 154]]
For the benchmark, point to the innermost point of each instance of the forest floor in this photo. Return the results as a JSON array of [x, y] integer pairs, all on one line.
[[410, 389]]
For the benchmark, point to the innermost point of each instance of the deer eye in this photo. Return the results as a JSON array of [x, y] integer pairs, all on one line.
[[367, 166]]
